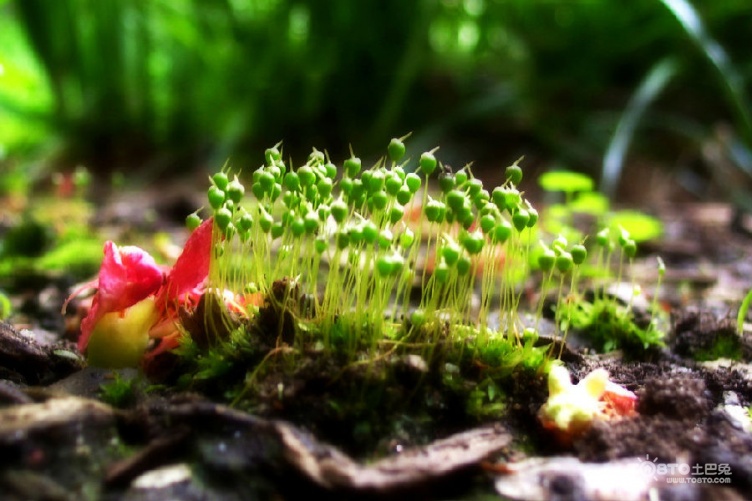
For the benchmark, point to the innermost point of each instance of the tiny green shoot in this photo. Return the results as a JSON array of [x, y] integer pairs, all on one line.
[[742, 315]]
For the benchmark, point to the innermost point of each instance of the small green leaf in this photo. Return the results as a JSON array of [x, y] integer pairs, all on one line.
[[566, 181]]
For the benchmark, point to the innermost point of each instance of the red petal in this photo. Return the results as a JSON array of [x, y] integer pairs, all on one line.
[[621, 400], [192, 267], [127, 275]]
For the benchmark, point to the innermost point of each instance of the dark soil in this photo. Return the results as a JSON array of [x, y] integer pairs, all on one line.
[[408, 436]]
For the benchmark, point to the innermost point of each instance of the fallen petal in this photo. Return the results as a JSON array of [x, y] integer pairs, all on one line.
[[192, 267], [127, 275]]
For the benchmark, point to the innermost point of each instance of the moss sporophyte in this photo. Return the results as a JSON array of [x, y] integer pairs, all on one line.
[[361, 265]]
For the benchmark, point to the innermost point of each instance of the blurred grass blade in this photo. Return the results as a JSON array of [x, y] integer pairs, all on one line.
[[732, 81], [742, 315], [652, 85]]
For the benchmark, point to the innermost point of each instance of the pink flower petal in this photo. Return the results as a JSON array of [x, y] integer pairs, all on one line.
[[127, 275], [192, 267]]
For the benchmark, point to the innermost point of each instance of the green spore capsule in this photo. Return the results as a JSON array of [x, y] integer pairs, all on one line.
[[499, 197], [384, 265], [380, 200], [533, 216], [356, 234], [297, 226], [450, 254], [602, 238], [277, 230], [320, 244], [418, 317], [404, 195], [235, 191], [455, 199], [624, 237], [473, 242], [514, 174], [392, 184], [220, 180], [311, 222], [223, 217], [481, 199], [446, 182], [560, 243], [272, 155], [399, 171], [441, 272], [325, 186], [316, 157], [520, 219], [487, 223], [396, 150], [339, 210], [434, 211], [547, 259], [216, 197], [407, 238], [245, 222], [579, 254], [258, 191], [352, 166], [346, 185], [464, 265], [275, 171], [307, 176], [276, 192], [343, 240], [413, 182], [473, 186], [376, 181], [466, 218], [193, 221], [292, 181], [630, 248], [266, 180], [501, 232], [386, 237], [460, 178], [265, 221], [370, 232], [358, 192], [396, 213], [564, 262], [427, 163]]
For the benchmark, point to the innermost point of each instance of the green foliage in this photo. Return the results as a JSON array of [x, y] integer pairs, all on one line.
[[51, 235], [731, 80], [641, 227], [120, 392], [110, 77], [742, 315], [330, 300], [611, 326], [566, 181], [727, 345], [6, 307]]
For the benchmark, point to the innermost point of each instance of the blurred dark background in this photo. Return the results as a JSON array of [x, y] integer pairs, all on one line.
[[613, 88]]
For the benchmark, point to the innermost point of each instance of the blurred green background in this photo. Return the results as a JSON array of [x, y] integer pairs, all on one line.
[[175, 86]]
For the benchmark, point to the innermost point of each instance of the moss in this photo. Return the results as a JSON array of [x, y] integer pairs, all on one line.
[[726, 344]]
